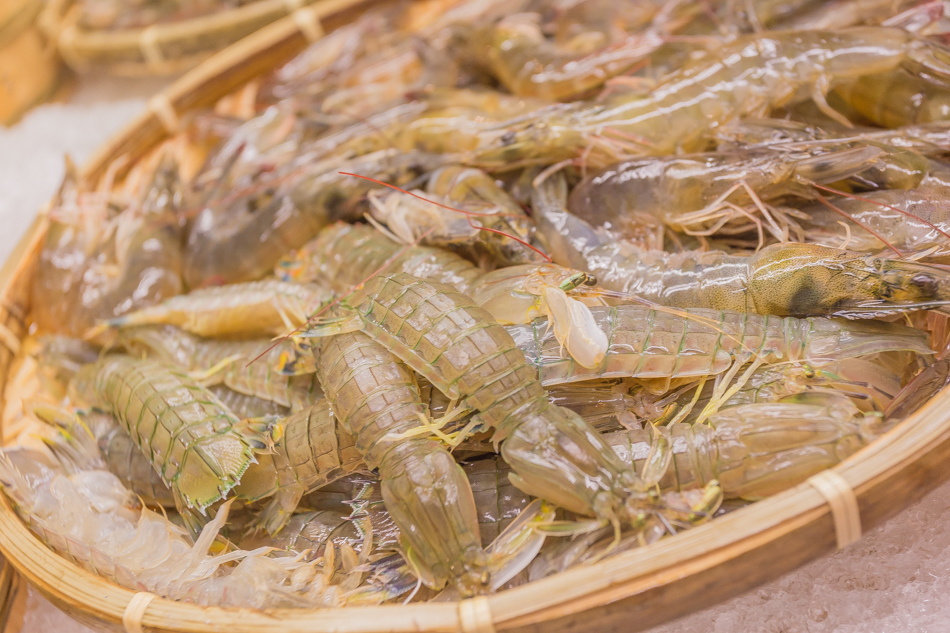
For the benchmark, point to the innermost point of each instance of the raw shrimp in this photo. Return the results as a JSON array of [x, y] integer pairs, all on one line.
[[310, 453], [747, 77], [456, 345], [912, 221], [242, 238], [920, 390], [646, 343], [529, 65], [247, 366], [782, 279], [497, 501], [344, 256], [716, 192], [93, 521], [97, 268], [477, 203], [752, 450], [427, 494], [200, 449], [258, 308], [897, 98], [868, 382], [604, 404]]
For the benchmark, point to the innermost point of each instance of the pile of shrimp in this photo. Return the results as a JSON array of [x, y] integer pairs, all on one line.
[[467, 295]]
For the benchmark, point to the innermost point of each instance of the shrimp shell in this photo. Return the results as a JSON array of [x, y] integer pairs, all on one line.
[[192, 440], [458, 347], [245, 366], [753, 450], [427, 494]]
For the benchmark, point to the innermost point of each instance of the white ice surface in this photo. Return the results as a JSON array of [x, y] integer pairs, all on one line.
[[897, 579]]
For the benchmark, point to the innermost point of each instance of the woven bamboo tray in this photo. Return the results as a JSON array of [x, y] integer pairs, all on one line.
[[160, 49], [627, 592]]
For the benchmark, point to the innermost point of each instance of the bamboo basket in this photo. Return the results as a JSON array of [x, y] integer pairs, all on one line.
[[160, 49], [30, 70], [630, 591]]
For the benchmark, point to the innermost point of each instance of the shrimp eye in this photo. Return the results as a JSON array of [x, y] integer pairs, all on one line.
[[573, 281], [925, 282], [590, 280]]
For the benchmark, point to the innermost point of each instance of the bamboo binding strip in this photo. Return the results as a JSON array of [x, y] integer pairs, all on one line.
[[843, 503], [669, 579], [135, 611]]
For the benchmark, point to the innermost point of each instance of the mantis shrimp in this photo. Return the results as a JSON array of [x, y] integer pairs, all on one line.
[[457, 347]]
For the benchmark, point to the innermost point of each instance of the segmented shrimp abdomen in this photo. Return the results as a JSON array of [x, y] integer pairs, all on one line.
[[453, 343], [373, 395], [376, 398], [316, 449], [188, 435]]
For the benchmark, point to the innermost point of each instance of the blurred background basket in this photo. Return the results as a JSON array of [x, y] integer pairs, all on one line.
[[630, 591], [30, 68], [159, 49]]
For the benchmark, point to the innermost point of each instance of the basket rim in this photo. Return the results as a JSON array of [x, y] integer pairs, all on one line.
[[886, 477], [92, 40]]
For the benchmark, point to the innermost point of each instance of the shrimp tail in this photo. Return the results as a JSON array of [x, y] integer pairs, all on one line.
[[513, 550]]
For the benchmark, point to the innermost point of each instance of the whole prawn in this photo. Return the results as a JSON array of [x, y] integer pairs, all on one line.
[[752, 450], [646, 343], [782, 279], [344, 256], [246, 366], [258, 308], [747, 77], [475, 203], [242, 239], [84, 276], [710, 193]]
